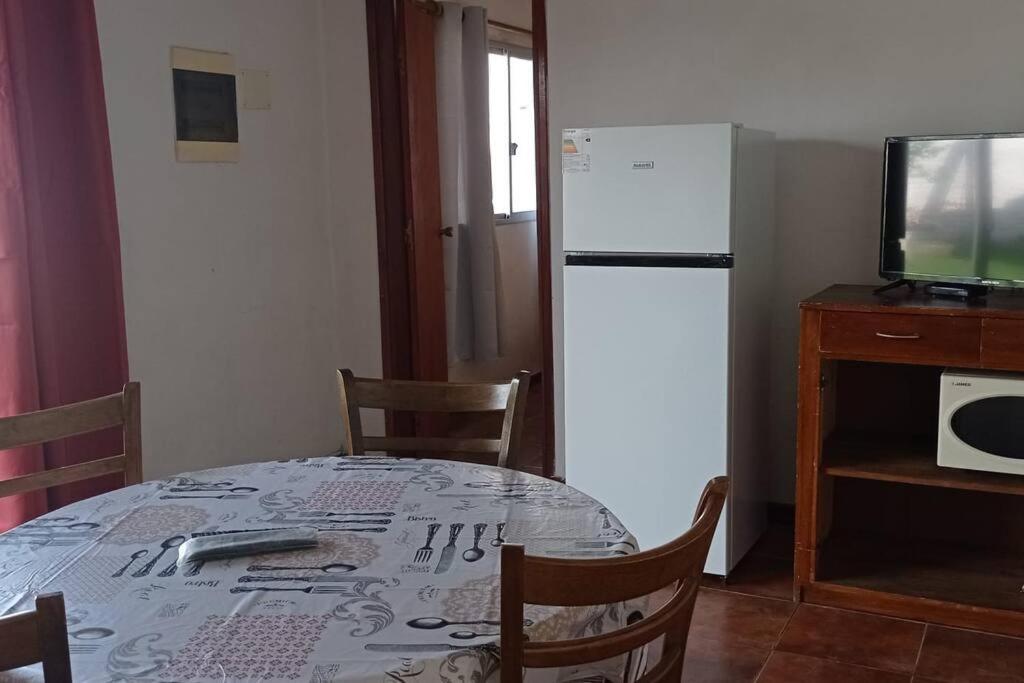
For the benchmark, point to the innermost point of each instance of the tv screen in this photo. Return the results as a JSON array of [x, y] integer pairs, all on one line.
[[953, 209]]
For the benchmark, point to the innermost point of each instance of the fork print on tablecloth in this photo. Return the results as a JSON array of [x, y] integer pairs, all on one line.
[[424, 553]]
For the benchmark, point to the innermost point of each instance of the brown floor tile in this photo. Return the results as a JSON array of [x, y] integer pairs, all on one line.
[[853, 638], [762, 575], [726, 662], [952, 655], [731, 635], [742, 620], [786, 667]]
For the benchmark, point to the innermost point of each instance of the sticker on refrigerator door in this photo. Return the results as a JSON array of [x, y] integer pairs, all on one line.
[[576, 150]]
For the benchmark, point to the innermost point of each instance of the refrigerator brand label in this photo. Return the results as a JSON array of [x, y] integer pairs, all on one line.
[[643, 165], [576, 150]]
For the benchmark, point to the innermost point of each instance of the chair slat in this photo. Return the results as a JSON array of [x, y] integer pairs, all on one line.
[[411, 444], [62, 475], [19, 630], [38, 636], [441, 397], [592, 648], [61, 422]]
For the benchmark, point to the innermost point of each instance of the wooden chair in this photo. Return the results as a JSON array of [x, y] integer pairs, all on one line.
[[116, 410], [39, 635], [546, 581], [439, 397]]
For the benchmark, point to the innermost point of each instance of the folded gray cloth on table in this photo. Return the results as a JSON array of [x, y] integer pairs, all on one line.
[[238, 543]]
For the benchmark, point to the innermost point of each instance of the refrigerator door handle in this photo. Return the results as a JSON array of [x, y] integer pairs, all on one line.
[[649, 260]]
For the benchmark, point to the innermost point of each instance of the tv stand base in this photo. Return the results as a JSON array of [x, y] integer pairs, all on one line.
[[911, 285]]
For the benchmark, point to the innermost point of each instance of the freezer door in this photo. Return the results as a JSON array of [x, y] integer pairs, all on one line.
[[651, 189], [646, 393]]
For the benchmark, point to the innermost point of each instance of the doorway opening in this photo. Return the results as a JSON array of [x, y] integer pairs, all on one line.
[[416, 231]]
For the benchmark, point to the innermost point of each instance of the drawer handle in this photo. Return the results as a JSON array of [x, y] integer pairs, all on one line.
[[886, 335]]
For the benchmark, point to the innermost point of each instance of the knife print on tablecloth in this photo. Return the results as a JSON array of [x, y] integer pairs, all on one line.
[[448, 552]]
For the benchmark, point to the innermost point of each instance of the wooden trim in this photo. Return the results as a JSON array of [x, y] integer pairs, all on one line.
[[511, 28], [389, 192], [540, 104], [956, 614], [808, 447], [417, 76], [500, 33]]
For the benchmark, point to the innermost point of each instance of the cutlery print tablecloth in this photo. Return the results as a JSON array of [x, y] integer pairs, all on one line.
[[403, 586]]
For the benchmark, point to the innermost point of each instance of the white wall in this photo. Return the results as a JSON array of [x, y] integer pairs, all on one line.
[[513, 12], [245, 284], [518, 309], [831, 78]]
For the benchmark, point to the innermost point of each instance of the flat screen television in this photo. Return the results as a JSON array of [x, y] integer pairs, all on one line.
[[953, 209]]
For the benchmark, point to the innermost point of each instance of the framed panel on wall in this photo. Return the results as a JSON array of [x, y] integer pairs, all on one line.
[[205, 105]]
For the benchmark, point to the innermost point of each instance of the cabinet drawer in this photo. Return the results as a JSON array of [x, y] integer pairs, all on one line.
[[1002, 344], [930, 339]]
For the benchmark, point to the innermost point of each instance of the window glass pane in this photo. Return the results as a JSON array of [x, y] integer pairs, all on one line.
[[524, 184], [498, 65]]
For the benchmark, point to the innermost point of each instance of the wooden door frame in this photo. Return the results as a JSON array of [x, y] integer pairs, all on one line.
[[389, 191], [390, 109], [544, 264]]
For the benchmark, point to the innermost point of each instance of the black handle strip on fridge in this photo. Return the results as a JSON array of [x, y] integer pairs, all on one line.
[[638, 260]]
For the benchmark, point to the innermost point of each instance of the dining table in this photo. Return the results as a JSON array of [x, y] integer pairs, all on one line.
[[403, 584]]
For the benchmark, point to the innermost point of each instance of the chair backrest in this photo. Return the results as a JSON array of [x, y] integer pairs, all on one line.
[[116, 410], [434, 397], [548, 581], [39, 635]]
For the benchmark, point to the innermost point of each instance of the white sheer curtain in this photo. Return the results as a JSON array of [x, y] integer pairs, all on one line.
[[470, 257]]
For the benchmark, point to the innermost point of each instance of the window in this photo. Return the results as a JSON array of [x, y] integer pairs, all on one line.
[[513, 154]]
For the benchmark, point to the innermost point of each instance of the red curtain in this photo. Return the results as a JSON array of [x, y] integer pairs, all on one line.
[[62, 335]]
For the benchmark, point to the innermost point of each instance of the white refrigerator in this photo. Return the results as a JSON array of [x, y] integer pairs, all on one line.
[[668, 241]]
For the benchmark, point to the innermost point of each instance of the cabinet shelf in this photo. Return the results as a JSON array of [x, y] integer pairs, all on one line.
[[935, 570], [907, 460]]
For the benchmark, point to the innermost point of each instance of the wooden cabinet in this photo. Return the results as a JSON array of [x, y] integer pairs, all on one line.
[[905, 338], [880, 526], [1002, 343]]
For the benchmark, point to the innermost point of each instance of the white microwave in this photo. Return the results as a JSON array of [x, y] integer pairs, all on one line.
[[981, 421]]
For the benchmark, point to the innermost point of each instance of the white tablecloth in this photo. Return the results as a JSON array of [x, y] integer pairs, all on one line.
[[366, 605]]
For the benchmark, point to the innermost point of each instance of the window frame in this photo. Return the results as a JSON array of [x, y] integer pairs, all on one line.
[[520, 52]]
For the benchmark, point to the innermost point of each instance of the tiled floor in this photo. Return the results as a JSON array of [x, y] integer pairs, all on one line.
[[749, 630]]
